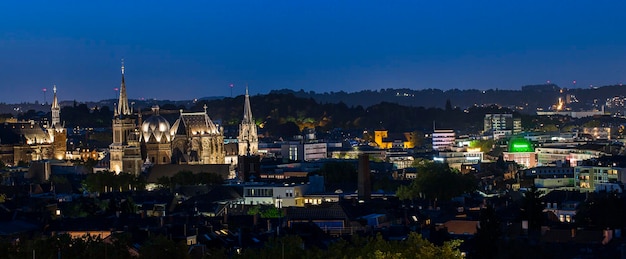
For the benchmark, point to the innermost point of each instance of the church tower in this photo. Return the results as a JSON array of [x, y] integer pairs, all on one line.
[[247, 139], [125, 150], [55, 109], [57, 132]]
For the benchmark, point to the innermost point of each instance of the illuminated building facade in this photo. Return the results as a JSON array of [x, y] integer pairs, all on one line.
[[192, 139], [296, 151], [443, 139], [460, 156], [597, 133], [383, 140], [547, 156], [26, 141], [587, 178], [156, 139], [197, 140], [501, 125], [522, 152]]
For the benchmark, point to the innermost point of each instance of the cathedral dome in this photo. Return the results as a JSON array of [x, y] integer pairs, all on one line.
[[156, 128]]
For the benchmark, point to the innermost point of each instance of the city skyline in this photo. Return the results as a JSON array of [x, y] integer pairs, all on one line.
[[199, 49]]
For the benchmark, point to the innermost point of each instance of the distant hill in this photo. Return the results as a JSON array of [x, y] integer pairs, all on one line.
[[393, 109], [281, 114], [530, 97]]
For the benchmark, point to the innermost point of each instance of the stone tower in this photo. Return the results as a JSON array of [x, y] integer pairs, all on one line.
[[125, 150], [247, 139], [57, 132]]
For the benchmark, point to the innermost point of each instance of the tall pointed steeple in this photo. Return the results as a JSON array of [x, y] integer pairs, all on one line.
[[248, 139], [247, 112], [122, 107], [55, 109]]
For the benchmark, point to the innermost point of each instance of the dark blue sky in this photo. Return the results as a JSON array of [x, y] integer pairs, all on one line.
[[196, 49]]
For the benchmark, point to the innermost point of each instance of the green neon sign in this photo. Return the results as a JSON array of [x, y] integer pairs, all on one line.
[[520, 145]]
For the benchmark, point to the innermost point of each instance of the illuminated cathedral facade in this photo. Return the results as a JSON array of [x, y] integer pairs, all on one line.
[[26, 141], [192, 139]]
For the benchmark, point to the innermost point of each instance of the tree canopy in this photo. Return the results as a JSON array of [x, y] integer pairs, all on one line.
[[189, 178], [415, 246], [109, 181], [602, 210], [437, 181]]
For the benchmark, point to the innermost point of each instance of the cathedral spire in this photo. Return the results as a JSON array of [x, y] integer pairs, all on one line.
[[247, 139], [247, 111], [122, 107], [55, 109]]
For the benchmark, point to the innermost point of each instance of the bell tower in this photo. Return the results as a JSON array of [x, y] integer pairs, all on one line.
[[247, 139], [125, 150]]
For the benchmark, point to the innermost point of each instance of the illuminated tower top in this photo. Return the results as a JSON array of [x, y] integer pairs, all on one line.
[[123, 108], [55, 109], [247, 139], [247, 111]]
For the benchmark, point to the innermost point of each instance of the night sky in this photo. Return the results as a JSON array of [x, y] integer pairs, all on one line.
[[183, 51]]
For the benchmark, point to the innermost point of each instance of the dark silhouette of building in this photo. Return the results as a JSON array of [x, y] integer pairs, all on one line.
[[364, 179]]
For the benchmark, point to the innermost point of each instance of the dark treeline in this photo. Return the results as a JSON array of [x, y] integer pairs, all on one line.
[[275, 112], [83, 116], [286, 115]]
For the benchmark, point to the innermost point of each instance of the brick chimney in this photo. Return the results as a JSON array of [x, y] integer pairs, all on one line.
[[364, 180]]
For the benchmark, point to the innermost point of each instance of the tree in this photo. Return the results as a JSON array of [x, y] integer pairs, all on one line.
[[189, 178], [602, 210], [281, 247], [484, 145], [415, 246], [488, 233], [437, 181], [108, 181], [159, 246], [266, 211], [64, 246], [532, 208], [417, 138]]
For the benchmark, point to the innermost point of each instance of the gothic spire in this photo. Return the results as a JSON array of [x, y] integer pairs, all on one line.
[[122, 107], [247, 111], [55, 109]]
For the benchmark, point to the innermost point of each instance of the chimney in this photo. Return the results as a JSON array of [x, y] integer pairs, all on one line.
[[364, 180]]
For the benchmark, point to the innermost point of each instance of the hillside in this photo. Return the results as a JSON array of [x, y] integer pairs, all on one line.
[[529, 97]]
